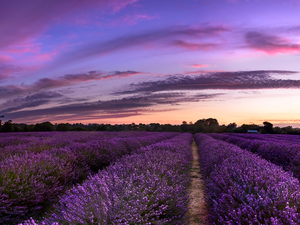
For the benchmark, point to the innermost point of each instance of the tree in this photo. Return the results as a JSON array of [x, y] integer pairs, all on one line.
[[25, 128], [101, 127], [207, 125], [17, 128], [278, 130], [210, 122], [142, 127], [134, 126], [199, 126], [1, 121], [63, 127], [231, 126], [268, 127], [7, 127], [78, 129], [155, 127], [45, 126]]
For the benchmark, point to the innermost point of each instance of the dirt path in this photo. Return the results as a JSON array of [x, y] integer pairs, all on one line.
[[197, 211]]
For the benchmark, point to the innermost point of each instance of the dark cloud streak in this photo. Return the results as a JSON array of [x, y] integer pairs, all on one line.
[[131, 105], [28, 101], [66, 80], [215, 81]]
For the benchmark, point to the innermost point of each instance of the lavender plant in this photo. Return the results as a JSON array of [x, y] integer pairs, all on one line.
[[243, 188], [148, 187], [29, 180], [281, 153]]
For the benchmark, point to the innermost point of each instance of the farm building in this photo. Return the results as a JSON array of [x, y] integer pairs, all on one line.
[[252, 131]]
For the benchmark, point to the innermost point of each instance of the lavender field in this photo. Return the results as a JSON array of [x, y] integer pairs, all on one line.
[[94, 178], [63, 178], [250, 179]]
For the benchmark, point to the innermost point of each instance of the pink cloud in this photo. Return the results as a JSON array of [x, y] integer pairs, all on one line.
[[5, 58], [270, 44], [45, 57], [202, 72], [199, 65], [7, 70], [134, 19], [40, 57], [27, 48], [118, 5], [194, 46]]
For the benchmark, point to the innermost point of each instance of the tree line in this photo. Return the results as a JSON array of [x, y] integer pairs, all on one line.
[[210, 125], [48, 126]]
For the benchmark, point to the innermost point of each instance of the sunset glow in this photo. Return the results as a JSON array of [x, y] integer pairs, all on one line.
[[150, 61]]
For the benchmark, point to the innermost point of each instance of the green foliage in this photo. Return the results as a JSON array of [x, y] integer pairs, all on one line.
[[231, 126], [7, 127], [17, 128], [209, 125], [45, 126], [63, 127], [101, 127], [268, 128], [78, 129]]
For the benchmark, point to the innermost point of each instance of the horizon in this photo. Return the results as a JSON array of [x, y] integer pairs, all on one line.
[[238, 125], [139, 61]]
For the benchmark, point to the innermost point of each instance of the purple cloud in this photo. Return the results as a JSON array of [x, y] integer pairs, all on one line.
[[164, 37], [23, 20], [7, 70]]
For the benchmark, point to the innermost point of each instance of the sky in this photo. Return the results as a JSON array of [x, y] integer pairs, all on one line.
[[150, 61]]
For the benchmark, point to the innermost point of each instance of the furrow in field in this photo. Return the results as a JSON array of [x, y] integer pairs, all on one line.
[[197, 212]]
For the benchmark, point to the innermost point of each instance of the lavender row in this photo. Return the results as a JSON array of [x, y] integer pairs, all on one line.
[[40, 141], [243, 188], [279, 152], [148, 187], [30, 180], [58, 139], [268, 137]]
